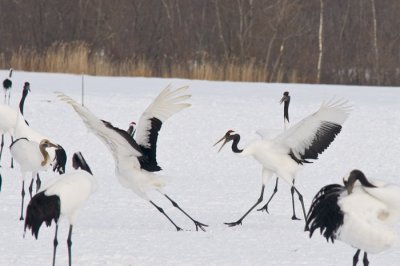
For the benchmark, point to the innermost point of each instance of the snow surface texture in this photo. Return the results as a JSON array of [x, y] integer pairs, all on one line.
[[116, 227]]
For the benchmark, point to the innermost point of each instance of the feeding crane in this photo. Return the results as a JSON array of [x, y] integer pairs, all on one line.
[[7, 85]]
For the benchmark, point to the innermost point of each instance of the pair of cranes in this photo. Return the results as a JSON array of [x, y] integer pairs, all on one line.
[[136, 162]]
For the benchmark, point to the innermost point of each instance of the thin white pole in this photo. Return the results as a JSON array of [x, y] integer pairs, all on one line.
[[83, 88]]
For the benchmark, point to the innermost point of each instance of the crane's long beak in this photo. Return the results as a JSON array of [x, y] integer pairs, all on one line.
[[223, 144]]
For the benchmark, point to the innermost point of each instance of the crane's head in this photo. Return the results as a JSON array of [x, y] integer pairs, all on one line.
[[226, 138], [45, 143], [350, 179], [131, 130], [285, 97], [27, 86]]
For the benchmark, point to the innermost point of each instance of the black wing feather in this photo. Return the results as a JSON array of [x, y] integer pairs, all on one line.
[[41, 209], [325, 135], [325, 212], [149, 160]]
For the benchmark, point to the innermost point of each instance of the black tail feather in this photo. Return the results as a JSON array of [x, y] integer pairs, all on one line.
[[41, 209], [60, 160], [79, 162]]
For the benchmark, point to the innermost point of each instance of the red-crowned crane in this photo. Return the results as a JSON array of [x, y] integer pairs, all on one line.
[[131, 129], [285, 154], [8, 116], [7, 85], [63, 195], [33, 156], [135, 158], [361, 213]]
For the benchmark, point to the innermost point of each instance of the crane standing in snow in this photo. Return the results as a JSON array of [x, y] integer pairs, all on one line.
[[63, 195], [135, 158]]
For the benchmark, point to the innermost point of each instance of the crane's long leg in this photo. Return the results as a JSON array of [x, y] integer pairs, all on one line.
[[38, 182], [31, 188], [1, 145], [69, 243], [162, 211], [302, 206], [22, 201], [355, 258], [365, 259], [258, 202], [197, 224], [55, 243], [265, 207], [12, 159], [294, 217]]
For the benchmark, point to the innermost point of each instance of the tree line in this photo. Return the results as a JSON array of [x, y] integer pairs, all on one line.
[[310, 41]]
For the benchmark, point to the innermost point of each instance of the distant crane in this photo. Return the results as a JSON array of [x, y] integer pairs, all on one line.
[[7, 85], [64, 195], [285, 154], [361, 213], [131, 130], [135, 159]]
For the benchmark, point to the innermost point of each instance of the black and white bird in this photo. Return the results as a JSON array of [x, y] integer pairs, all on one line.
[[33, 153], [7, 85], [64, 195], [285, 154], [286, 101], [361, 213], [135, 158], [8, 116]]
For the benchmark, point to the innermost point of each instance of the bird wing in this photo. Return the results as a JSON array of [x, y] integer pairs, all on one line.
[[167, 103], [125, 150], [312, 135], [325, 212]]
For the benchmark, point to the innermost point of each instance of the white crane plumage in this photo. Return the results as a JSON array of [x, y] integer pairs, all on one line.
[[285, 154], [361, 213], [8, 116], [63, 195], [135, 158]]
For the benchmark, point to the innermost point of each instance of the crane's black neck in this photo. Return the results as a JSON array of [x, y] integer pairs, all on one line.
[[358, 175], [286, 109], [235, 141], [22, 101]]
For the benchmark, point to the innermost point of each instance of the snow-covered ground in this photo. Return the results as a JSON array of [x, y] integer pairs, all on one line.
[[116, 227]]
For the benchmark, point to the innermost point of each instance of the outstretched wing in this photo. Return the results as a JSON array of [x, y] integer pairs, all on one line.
[[325, 212], [312, 135], [125, 150], [167, 103]]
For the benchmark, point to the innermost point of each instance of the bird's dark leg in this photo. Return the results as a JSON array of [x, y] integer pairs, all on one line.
[[294, 209], [365, 259], [55, 243], [12, 159], [258, 202], [69, 243], [38, 182], [31, 188], [22, 202], [162, 211], [198, 224], [302, 206], [1, 145], [355, 258], [265, 207]]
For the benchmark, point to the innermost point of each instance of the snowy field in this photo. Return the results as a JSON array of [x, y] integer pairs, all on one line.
[[116, 227]]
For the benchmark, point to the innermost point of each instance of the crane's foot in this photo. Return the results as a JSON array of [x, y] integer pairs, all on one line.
[[200, 225], [295, 218], [178, 229], [234, 223], [265, 208]]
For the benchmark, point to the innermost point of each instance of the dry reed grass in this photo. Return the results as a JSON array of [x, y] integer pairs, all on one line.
[[78, 58]]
